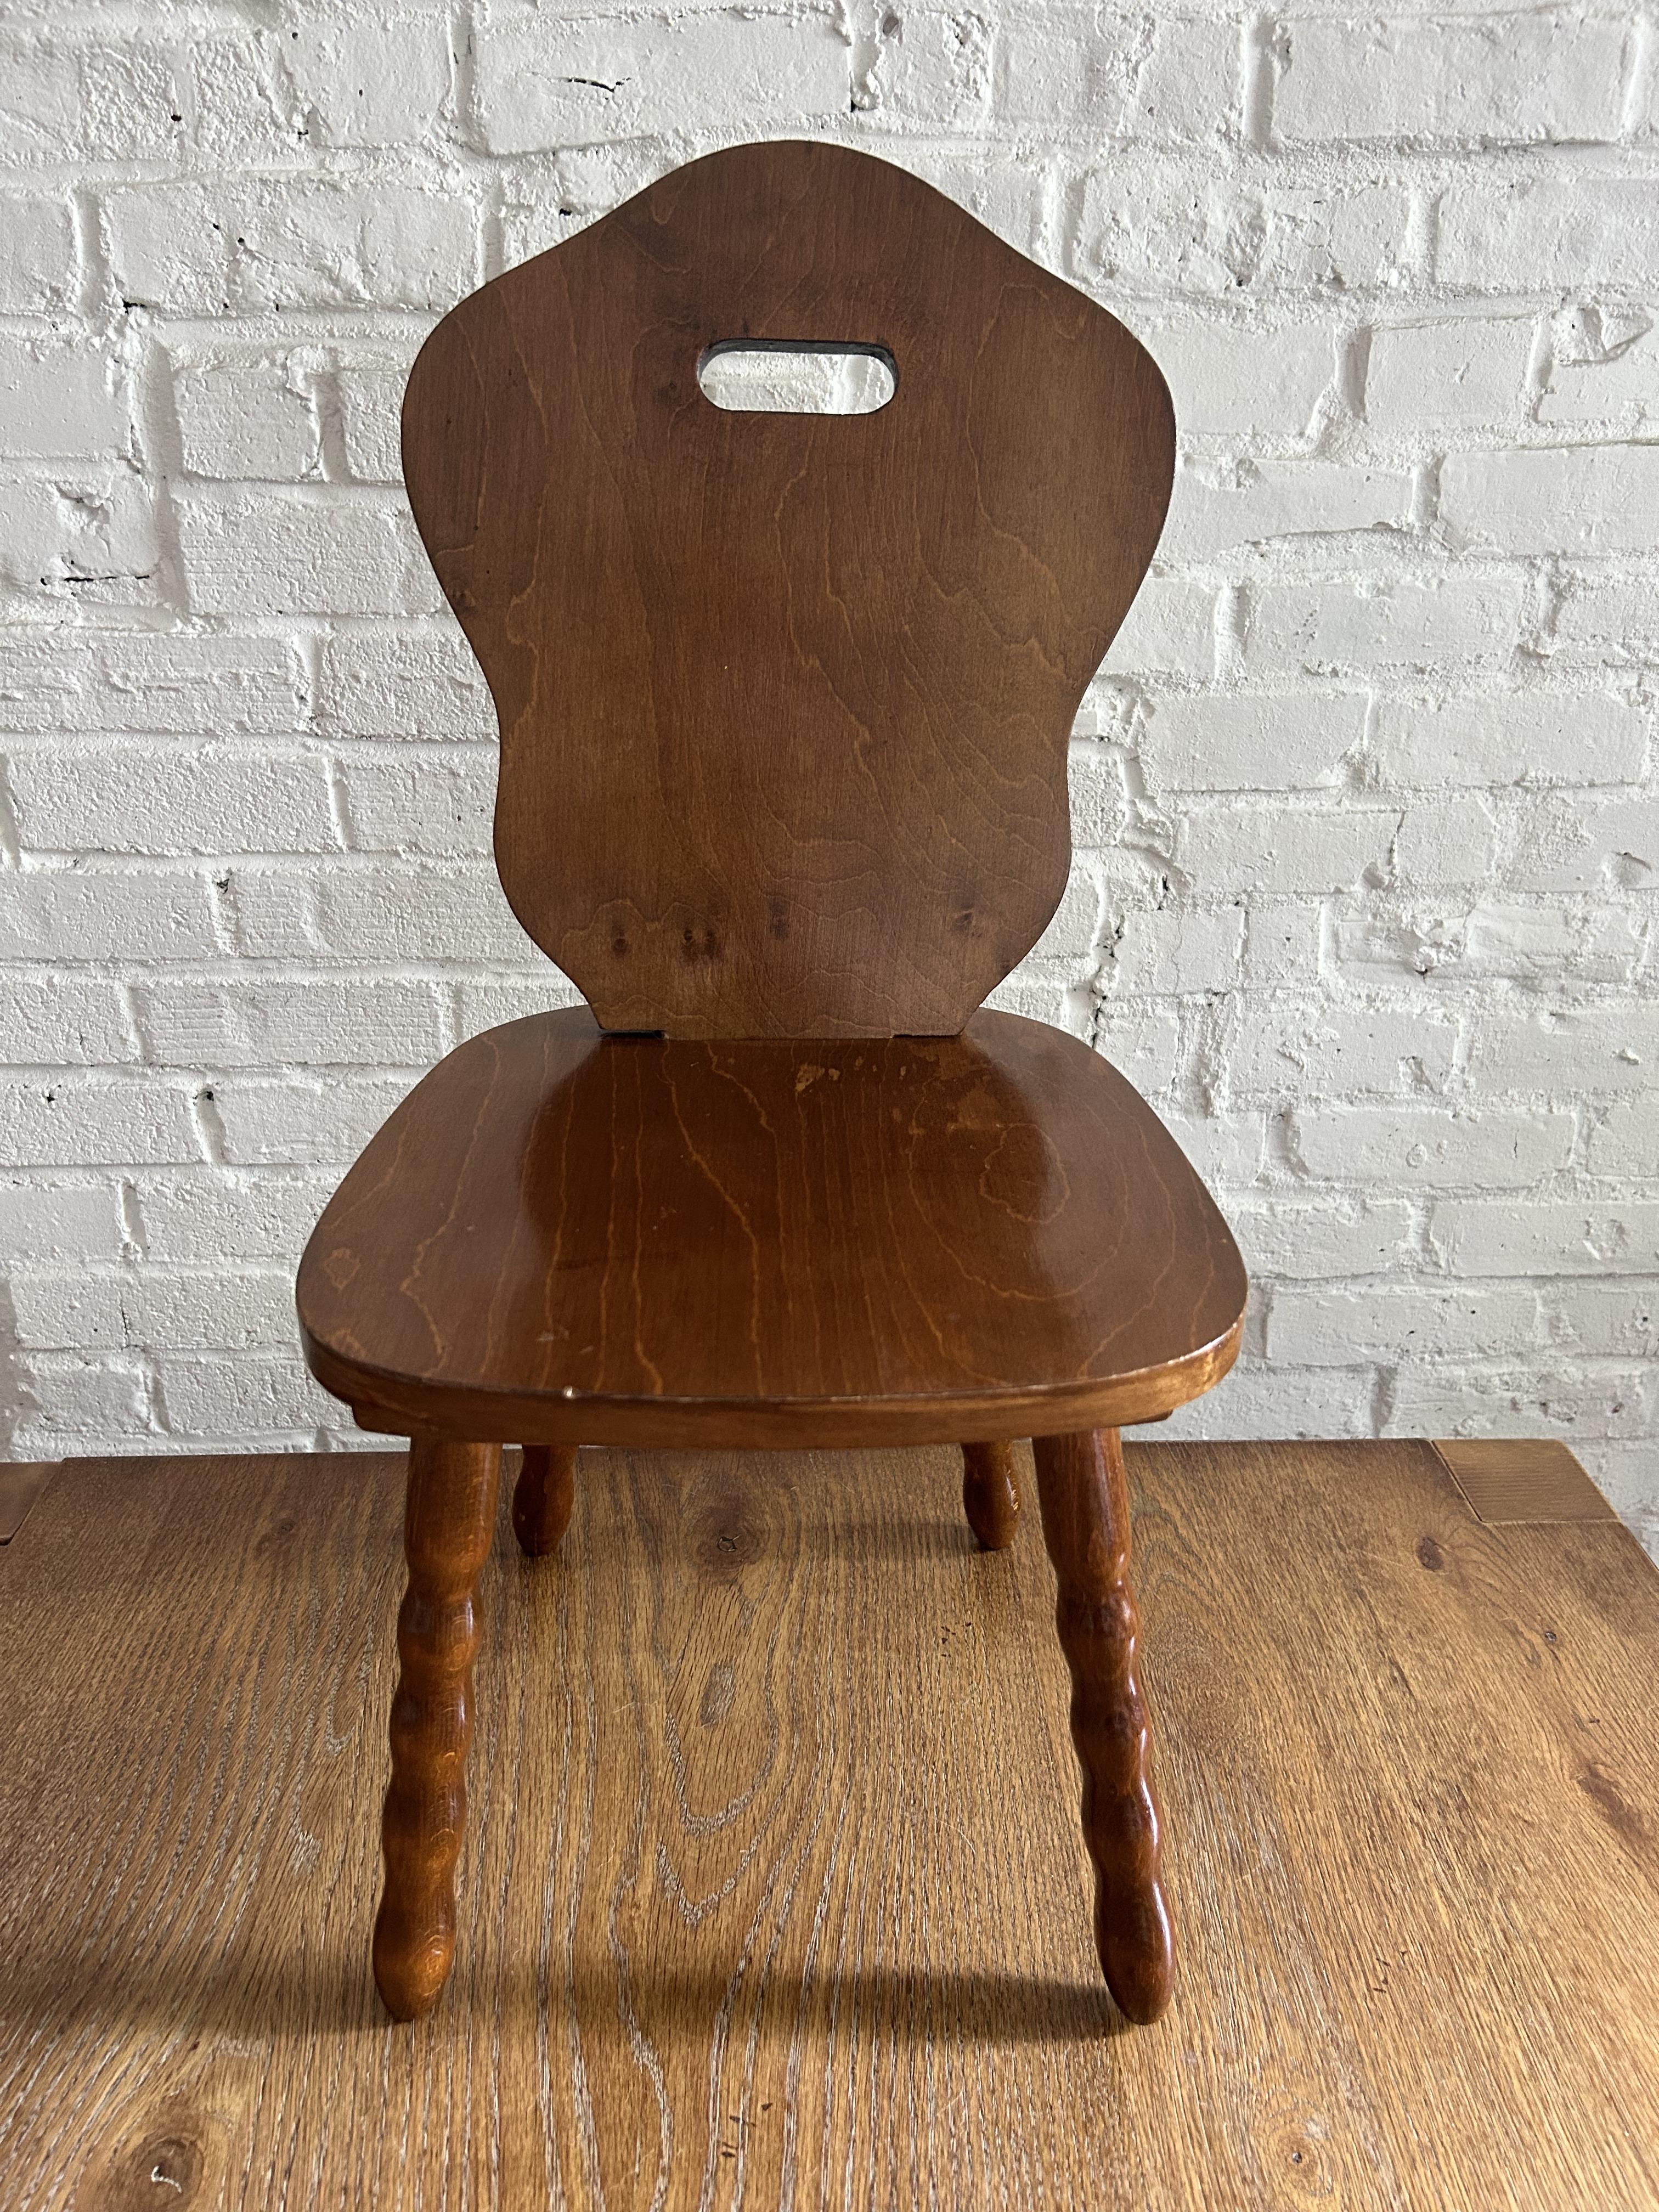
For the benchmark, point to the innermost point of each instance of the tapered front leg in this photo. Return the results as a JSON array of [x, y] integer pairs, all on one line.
[[544, 1495], [449, 1521], [1086, 1524], [990, 1494]]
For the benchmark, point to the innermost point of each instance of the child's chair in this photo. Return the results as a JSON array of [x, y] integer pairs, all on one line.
[[785, 702]]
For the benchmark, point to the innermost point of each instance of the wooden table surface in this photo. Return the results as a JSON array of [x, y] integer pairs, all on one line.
[[775, 1892]]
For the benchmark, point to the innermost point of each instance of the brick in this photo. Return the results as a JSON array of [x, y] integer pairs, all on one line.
[[1507, 79], [1418, 1148], [1610, 1399], [1167, 232], [1470, 370], [1605, 370], [37, 253], [1446, 840], [549, 82], [1071, 69], [1170, 629], [1525, 942], [1594, 499], [249, 415], [1278, 1401], [104, 101], [103, 914], [261, 1020], [370, 389], [270, 553], [1260, 502], [269, 244], [69, 1396], [60, 1120], [166, 681], [1528, 236], [86, 538], [443, 801], [1552, 1236], [1282, 942], [298, 1121], [1292, 1049], [1625, 1143], [1308, 1242], [163, 1309], [1335, 629], [1141, 1043], [1100, 805], [1332, 1327], [395, 911], [201, 1216], [46, 1218], [1073, 932], [170, 798], [484, 1003], [1623, 1472], [1605, 1321], [1569, 1050], [404, 684], [49, 1018], [1226, 1148], [244, 109], [1046, 991], [1529, 737], [1241, 848], [544, 204], [1266, 742], [1616, 618], [367, 78], [253, 1393], [1175, 949], [1225, 377], [931, 71], [1590, 842]]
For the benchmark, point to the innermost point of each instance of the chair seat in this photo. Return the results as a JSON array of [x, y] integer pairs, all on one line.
[[566, 1236]]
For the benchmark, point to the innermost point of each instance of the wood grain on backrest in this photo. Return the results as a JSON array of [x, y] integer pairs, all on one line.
[[785, 699]]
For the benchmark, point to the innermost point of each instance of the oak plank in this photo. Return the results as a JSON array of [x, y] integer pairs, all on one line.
[[772, 1888]]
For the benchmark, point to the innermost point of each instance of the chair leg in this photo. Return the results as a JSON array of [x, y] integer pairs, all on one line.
[[1085, 1503], [543, 1497], [990, 1495], [448, 1525]]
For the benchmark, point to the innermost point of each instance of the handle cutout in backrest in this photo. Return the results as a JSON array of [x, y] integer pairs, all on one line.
[[745, 376]]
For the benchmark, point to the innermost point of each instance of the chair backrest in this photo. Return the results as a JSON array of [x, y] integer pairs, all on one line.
[[784, 698]]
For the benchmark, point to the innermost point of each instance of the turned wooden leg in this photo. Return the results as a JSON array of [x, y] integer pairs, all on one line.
[[448, 1524], [543, 1497], [990, 1495], [1086, 1524]]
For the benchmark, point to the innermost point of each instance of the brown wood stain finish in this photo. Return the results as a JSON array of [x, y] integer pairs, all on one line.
[[785, 699], [563, 1238], [785, 703], [772, 1891]]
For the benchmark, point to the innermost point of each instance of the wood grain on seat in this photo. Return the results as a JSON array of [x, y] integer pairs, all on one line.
[[565, 1237], [784, 698]]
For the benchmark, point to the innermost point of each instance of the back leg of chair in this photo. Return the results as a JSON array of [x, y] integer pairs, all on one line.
[[990, 1494], [1085, 1500], [542, 1501]]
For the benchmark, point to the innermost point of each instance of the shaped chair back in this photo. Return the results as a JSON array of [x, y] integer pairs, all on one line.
[[784, 698]]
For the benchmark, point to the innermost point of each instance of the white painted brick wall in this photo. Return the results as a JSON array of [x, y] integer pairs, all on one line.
[[1367, 813]]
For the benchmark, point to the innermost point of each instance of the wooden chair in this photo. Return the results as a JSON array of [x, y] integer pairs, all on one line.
[[785, 702]]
